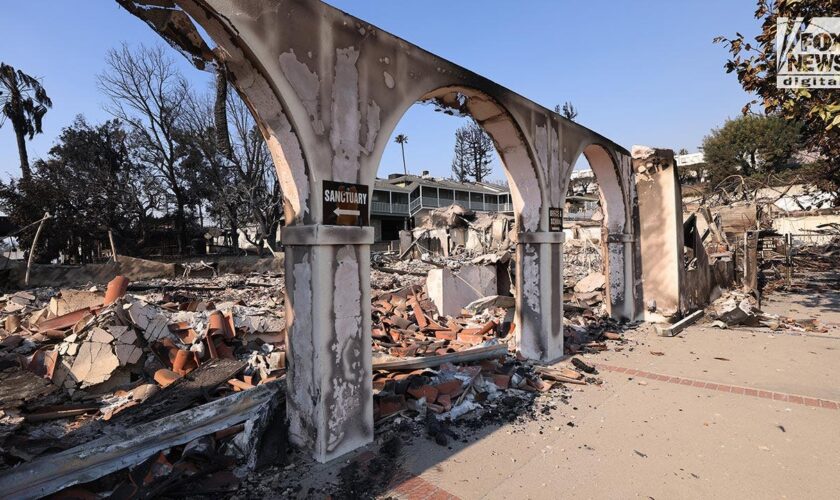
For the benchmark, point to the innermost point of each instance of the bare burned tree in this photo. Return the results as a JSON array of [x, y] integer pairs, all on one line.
[[473, 152], [241, 184], [461, 159], [215, 165], [259, 187], [149, 94], [580, 186], [567, 110]]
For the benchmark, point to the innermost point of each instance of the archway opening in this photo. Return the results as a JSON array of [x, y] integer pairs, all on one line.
[[433, 161], [458, 203], [583, 254], [595, 271]]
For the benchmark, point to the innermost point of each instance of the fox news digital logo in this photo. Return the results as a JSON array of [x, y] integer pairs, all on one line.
[[808, 53]]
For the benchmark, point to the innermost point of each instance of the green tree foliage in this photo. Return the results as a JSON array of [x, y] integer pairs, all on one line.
[[24, 102], [750, 146], [168, 158], [817, 110], [89, 186]]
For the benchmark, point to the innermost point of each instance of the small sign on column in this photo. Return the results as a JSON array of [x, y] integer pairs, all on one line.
[[555, 220], [346, 204]]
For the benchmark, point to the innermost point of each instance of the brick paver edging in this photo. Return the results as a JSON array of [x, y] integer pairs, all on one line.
[[732, 389], [407, 486], [410, 487]]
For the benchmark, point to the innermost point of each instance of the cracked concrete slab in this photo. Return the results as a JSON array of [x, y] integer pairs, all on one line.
[[94, 363]]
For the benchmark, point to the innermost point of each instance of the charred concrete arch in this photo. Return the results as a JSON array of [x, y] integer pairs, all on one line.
[[620, 228], [539, 307], [327, 90], [523, 174]]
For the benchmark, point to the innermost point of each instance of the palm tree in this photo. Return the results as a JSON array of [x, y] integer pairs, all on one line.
[[24, 102], [401, 139]]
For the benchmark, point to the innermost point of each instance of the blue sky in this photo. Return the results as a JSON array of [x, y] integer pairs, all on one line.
[[638, 72]]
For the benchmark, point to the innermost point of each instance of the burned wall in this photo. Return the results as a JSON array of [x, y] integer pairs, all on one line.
[[661, 231], [698, 272]]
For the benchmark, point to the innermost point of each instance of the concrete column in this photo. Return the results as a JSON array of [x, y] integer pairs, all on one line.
[[329, 401], [539, 295], [619, 269], [660, 232]]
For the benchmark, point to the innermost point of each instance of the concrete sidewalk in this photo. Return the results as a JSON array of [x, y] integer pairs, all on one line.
[[744, 413]]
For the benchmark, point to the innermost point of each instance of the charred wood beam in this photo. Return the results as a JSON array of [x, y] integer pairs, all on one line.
[[130, 446]]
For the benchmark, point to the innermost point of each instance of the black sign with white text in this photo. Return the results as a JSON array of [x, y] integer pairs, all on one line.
[[346, 204], [555, 220]]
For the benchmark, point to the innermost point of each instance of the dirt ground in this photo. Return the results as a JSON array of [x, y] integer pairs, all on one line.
[[743, 412]]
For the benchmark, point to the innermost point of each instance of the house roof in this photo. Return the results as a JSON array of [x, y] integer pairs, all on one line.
[[408, 183]]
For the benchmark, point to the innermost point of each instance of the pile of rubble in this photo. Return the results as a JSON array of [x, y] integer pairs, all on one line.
[[587, 293], [435, 373], [443, 325], [805, 259], [409, 335], [738, 308], [80, 365], [428, 363], [581, 257], [166, 361], [388, 272], [457, 231], [450, 391], [406, 323]]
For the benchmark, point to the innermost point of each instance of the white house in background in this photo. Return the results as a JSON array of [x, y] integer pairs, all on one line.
[[692, 165], [584, 173], [584, 179], [690, 159], [9, 243], [400, 198]]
